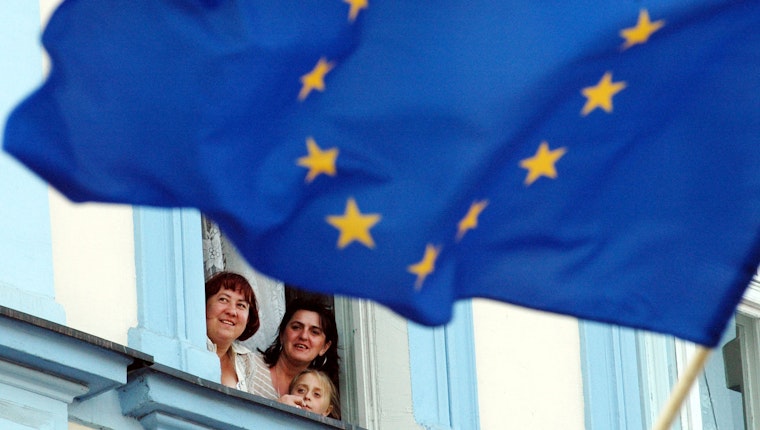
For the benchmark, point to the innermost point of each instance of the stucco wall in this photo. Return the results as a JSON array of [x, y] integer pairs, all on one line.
[[93, 265], [529, 372]]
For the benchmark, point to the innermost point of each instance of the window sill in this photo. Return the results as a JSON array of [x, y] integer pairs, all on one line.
[[50, 367]]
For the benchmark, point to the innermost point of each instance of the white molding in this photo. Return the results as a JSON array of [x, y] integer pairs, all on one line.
[[376, 383], [356, 319], [749, 331], [657, 355], [748, 325], [691, 411], [750, 304]]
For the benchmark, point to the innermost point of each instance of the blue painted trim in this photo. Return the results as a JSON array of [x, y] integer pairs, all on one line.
[[26, 281], [170, 298], [428, 367], [463, 383], [162, 399], [443, 373], [62, 352], [609, 364]]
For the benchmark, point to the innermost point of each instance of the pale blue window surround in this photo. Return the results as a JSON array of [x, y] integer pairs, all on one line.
[[442, 364], [170, 291], [628, 376], [26, 283], [610, 368]]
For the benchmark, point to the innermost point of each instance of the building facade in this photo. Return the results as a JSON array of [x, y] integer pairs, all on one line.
[[102, 327]]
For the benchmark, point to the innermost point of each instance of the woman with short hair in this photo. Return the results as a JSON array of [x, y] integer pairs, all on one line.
[[231, 317]]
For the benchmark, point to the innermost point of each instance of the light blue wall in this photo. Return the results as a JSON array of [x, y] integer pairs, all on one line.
[[26, 256]]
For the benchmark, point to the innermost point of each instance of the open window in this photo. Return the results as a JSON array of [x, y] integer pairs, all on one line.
[[387, 363], [272, 295]]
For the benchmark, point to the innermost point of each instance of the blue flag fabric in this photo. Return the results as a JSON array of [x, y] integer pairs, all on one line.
[[595, 158]]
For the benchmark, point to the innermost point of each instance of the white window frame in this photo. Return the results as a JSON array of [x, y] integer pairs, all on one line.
[[748, 321]]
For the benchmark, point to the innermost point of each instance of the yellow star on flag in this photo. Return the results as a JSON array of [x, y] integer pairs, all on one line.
[[353, 225], [641, 32], [318, 161], [600, 95], [315, 80], [542, 164], [426, 266], [356, 7], [470, 220]]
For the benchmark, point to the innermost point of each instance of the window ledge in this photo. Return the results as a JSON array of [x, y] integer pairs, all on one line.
[[69, 366], [54, 349], [156, 393]]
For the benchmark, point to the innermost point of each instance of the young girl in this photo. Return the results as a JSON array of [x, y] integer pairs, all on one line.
[[314, 391]]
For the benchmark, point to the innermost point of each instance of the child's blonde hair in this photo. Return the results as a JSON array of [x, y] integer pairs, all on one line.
[[327, 383]]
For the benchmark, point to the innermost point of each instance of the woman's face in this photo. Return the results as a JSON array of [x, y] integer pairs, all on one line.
[[304, 338], [226, 316]]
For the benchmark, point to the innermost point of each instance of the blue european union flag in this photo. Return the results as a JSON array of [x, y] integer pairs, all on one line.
[[592, 158]]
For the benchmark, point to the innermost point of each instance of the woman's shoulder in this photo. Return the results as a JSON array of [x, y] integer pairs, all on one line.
[[260, 379], [254, 358], [239, 348]]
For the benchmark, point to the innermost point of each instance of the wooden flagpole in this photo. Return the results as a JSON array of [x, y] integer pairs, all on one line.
[[682, 388]]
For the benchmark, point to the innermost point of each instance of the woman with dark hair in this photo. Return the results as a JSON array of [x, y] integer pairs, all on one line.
[[307, 338], [231, 317]]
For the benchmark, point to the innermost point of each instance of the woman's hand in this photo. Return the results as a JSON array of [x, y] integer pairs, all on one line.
[[292, 400]]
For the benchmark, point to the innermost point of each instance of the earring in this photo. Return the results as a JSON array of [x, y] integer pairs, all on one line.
[[319, 366]]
